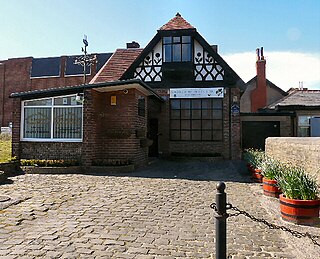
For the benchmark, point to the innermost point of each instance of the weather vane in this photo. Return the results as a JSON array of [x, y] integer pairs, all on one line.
[[86, 59]]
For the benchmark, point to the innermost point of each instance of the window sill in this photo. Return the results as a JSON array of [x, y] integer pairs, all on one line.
[[50, 140]]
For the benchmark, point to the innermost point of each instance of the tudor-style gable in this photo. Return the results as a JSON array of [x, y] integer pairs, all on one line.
[[177, 56]]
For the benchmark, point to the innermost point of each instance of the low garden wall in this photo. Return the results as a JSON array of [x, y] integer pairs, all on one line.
[[304, 152]]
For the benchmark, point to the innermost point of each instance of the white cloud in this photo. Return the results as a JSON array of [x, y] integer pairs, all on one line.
[[284, 69]]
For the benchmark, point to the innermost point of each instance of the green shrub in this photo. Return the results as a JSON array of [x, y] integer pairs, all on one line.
[[254, 157], [48, 163], [272, 169], [111, 162], [295, 183]]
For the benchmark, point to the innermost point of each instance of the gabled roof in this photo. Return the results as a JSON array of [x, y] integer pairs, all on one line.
[[176, 23], [118, 63], [272, 85], [298, 99], [183, 26]]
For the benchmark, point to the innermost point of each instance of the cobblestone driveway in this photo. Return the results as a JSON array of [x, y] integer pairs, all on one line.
[[158, 212]]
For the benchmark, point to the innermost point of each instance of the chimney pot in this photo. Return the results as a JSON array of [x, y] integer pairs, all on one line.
[[133, 45]]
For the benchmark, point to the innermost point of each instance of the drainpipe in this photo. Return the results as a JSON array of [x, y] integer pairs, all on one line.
[[3, 92], [230, 123]]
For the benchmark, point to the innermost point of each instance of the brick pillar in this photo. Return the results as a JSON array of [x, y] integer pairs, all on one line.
[[16, 121], [89, 130], [235, 125]]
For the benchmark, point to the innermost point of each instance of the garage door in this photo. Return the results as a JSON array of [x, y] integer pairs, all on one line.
[[254, 133]]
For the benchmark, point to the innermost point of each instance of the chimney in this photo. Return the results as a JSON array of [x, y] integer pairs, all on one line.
[[133, 45], [259, 94]]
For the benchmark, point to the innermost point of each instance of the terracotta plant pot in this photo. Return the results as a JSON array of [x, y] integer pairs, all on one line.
[[304, 212], [270, 188], [256, 175]]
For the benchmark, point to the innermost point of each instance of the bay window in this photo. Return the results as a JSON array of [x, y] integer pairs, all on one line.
[[52, 119]]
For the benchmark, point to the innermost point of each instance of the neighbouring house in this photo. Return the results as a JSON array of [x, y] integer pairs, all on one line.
[[177, 96], [306, 106], [268, 111]]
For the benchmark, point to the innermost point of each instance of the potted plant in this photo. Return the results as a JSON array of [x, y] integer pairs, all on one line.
[[255, 159], [271, 170], [300, 201]]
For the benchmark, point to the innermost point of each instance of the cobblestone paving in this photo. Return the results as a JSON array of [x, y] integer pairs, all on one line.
[[162, 211]]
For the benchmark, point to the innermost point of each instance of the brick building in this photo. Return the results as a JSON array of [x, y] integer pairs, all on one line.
[[177, 96], [268, 111], [28, 74]]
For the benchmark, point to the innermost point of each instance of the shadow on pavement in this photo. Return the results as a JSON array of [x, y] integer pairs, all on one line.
[[227, 170]]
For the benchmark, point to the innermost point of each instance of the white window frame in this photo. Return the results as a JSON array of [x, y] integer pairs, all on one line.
[[302, 125], [52, 106]]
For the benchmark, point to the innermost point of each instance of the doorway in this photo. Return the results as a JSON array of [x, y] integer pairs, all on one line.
[[153, 135]]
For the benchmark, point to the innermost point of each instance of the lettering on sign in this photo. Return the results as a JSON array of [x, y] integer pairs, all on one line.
[[213, 92]]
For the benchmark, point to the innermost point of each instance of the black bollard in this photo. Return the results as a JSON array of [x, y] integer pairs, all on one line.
[[221, 222]]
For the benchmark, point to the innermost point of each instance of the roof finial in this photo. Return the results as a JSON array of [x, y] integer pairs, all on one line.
[[178, 14]]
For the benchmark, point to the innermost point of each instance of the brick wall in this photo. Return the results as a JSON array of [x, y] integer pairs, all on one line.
[[116, 127], [51, 150], [299, 151]]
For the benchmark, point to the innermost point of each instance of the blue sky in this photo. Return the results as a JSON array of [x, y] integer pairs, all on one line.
[[283, 27]]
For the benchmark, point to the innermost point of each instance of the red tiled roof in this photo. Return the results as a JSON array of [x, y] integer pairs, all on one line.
[[176, 23], [118, 63]]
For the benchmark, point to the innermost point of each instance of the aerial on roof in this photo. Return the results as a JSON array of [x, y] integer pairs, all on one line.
[[301, 98], [176, 23]]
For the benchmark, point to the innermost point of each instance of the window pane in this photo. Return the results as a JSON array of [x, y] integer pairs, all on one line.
[[37, 123], [185, 104], [167, 53], [42, 102], [186, 39], [217, 135], [217, 103], [196, 124], [196, 104], [176, 54], [206, 135], [176, 39], [206, 103], [206, 114], [67, 123], [217, 124], [175, 124], [196, 114], [175, 104], [217, 114], [167, 40], [303, 131], [68, 100], [185, 135], [175, 114], [185, 114], [186, 52], [185, 124], [196, 135], [206, 124], [304, 120], [175, 135]]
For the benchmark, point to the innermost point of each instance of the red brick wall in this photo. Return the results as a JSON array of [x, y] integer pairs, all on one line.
[[115, 128]]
